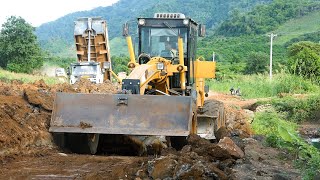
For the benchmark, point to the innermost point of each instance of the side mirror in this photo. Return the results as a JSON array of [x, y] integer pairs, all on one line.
[[68, 71], [202, 30], [106, 66], [125, 29]]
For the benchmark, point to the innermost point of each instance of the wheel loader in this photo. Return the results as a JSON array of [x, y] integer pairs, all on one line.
[[162, 96]]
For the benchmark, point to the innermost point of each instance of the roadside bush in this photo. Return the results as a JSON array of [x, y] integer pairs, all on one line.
[[257, 62], [299, 110], [305, 60], [282, 134]]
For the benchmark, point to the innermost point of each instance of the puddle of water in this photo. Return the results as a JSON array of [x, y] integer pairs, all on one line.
[[316, 142]]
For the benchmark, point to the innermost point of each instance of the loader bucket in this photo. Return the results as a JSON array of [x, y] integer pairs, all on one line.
[[122, 114]]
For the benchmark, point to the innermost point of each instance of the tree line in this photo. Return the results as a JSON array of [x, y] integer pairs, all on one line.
[[266, 18]]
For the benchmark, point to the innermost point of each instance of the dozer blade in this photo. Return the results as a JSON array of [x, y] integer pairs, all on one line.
[[122, 114]]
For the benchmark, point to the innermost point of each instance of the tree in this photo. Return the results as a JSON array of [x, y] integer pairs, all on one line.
[[257, 62], [120, 63], [304, 60], [19, 49]]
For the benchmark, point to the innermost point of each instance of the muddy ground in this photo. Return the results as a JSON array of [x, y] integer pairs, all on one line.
[[28, 152]]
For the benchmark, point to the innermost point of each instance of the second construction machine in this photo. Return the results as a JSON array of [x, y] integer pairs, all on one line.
[[162, 96], [93, 51]]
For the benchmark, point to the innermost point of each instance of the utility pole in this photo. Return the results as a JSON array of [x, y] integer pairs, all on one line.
[[271, 39], [213, 55]]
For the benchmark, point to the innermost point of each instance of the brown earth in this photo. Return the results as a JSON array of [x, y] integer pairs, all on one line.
[[25, 112], [27, 150]]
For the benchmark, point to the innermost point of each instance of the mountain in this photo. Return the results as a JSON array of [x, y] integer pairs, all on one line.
[[56, 37], [242, 34]]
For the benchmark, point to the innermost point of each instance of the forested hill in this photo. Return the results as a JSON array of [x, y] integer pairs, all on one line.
[[242, 45], [57, 36], [266, 18]]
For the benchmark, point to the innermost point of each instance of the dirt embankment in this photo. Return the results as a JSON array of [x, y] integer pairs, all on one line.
[[25, 112]]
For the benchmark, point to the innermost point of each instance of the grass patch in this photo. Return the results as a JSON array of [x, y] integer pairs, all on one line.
[[297, 109], [282, 134], [7, 76], [297, 27], [258, 86]]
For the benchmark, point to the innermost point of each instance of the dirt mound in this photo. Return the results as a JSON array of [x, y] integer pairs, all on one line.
[[238, 121], [199, 159], [236, 112], [23, 126], [25, 113], [85, 86]]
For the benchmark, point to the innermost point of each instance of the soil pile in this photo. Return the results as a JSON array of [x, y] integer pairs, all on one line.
[[85, 86], [24, 125], [25, 112], [237, 113], [199, 159], [237, 120]]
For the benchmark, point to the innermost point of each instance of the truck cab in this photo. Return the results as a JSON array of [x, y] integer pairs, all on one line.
[[60, 72], [86, 70]]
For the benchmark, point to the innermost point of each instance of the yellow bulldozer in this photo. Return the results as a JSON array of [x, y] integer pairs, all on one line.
[[162, 96]]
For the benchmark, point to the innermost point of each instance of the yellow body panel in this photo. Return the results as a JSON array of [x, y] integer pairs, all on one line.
[[204, 69]]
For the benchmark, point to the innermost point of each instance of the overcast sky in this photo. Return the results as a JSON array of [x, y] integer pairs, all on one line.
[[37, 12]]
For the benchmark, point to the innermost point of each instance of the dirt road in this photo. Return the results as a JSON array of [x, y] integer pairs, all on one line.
[[71, 166]]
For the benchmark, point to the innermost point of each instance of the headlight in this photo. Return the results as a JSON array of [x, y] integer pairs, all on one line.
[[142, 22], [186, 21], [160, 66]]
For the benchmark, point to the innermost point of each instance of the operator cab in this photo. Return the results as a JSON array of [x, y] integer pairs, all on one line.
[[158, 36]]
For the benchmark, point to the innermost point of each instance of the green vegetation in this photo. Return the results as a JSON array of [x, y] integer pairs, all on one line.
[[7, 76], [118, 46], [305, 60], [211, 13], [120, 64], [243, 34], [241, 45], [297, 109], [59, 61], [239, 49], [258, 86], [282, 134], [19, 49], [266, 18], [257, 63], [58, 47], [297, 28]]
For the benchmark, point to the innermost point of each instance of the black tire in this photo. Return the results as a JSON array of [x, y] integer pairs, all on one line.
[[59, 140], [178, 142], [80, 143]]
